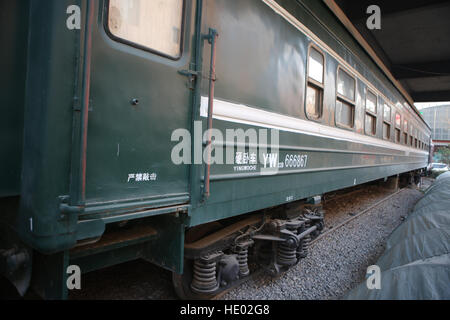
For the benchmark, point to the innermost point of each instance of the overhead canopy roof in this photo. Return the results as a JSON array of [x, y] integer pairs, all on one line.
[[413, 43]]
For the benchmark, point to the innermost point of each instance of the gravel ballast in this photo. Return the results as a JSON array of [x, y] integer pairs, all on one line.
[[337, 262]]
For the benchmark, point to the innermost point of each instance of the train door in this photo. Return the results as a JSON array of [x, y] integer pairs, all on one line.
[[138, 99]]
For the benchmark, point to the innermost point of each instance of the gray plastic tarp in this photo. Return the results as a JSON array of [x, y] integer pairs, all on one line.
[[416, 263]]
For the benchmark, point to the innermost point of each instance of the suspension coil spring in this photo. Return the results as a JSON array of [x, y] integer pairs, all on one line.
[[306, 241], [243, 262], [205, 276], [286, 254]]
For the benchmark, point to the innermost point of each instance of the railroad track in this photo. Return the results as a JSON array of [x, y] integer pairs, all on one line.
[[259, 271], [135, 271], [356, 216]]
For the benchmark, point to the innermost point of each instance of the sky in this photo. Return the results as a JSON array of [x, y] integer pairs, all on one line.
[[430, 104]]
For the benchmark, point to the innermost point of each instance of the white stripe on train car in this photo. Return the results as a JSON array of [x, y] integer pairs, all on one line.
[[239, 113]]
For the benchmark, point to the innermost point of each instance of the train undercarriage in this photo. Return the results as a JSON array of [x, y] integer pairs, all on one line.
[[218, 257], [221, 255]]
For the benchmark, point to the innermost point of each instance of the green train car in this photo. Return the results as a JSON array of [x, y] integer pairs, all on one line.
[[197, 135]]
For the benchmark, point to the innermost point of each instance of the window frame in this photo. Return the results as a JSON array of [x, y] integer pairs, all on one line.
[[398, 128], [370, 113], [405, 130], [411, 136], [415, 135], [315, 84], [140, 46], [344, 99]]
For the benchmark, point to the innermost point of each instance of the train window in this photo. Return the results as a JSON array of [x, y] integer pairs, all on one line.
[[386, 131], [315, 67], [398, 120], [397, 135], [387, 113], [415, 135], [153, 25], [314, 102], [387, 122], [346, 85], [345, 113], [398, 126], [371, 114], [345, 102], [405, 128], [314, 91]]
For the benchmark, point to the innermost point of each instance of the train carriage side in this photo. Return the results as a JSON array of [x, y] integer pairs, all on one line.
[[340, 121], [100, 105], [98, 182], [329, 120]]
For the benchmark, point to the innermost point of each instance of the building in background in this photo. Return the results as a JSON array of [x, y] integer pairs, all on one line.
[[439, 120]]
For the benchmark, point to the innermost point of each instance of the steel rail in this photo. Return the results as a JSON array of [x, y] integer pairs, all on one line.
[[356, 216]]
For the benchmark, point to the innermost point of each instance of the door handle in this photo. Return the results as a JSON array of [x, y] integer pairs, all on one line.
[[212, 40]]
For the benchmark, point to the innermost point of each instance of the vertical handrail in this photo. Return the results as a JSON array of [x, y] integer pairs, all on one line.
[[212, 39], [86, 94]]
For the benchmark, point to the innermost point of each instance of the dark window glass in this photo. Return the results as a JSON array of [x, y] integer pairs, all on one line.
[[346, 85], [345, 113], [371, 124], [345, 104], [386, 131], [397, 135], [314, 101], [314, 90]]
